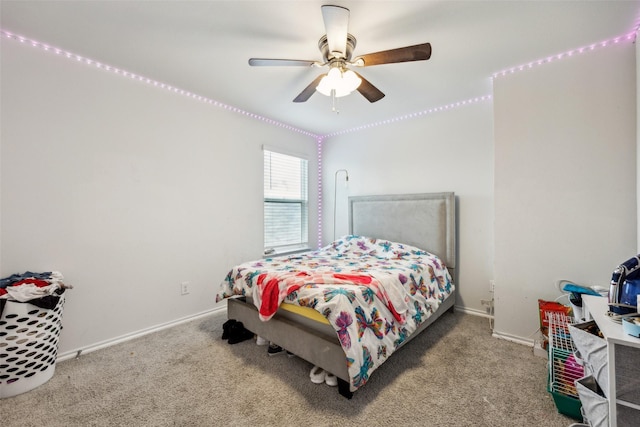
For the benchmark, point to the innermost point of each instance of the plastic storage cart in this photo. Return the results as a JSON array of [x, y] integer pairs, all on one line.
[[28, 345], [564, 366]]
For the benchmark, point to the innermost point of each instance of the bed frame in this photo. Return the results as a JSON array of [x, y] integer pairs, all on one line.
[[427, 221]]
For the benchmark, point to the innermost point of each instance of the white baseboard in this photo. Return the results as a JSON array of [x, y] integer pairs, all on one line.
[[539, 351], [535, 344], [473, 311], [117, 340], [537, 348], [123, 338], [519, 340]]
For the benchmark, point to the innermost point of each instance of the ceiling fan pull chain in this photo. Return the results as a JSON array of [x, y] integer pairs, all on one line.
[[334, 102]]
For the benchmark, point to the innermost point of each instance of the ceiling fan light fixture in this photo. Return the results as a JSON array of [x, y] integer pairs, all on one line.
[[338, 82], [337, 47]]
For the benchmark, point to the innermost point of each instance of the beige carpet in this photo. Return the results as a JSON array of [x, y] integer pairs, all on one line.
[[454, 374]]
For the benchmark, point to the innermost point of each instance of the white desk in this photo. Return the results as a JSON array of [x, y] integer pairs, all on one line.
[[624, 390]]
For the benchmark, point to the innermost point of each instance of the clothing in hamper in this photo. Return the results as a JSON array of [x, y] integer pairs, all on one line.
[[39, 289]]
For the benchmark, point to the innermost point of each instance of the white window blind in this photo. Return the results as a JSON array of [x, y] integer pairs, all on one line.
[[285, 201]]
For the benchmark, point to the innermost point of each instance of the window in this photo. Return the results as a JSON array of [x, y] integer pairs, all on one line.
[[286, 213]]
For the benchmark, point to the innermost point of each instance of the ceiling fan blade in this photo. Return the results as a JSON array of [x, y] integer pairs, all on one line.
[[368, 90], [309, 90], [419, 52], [336, 23], [266, 62]]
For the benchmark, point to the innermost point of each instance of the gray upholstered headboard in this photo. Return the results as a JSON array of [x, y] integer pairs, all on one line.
[[426, 221]]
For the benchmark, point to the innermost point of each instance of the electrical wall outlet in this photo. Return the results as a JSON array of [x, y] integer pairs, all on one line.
[[184, 288], [492, 285]]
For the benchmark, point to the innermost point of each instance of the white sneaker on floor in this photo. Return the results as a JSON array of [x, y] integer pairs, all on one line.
[[317, 375], [331, 380], [261, 341]]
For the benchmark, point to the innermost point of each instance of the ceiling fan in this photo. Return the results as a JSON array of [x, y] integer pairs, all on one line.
[[337, 48]]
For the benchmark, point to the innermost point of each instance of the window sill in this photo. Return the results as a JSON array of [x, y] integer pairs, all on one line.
[[287, 251]]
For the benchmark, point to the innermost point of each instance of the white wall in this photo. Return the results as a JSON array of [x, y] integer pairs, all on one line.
[[445, 151], [565, 179], [128, 190]]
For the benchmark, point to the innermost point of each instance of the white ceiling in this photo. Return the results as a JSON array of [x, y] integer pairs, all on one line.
[[203, 46]]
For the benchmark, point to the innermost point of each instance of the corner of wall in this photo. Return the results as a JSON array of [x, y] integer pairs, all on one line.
[[637, 141]]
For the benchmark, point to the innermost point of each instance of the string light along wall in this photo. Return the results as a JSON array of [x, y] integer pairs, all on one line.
[[124, 73], [319, 149], [630, 37], [412, 115]]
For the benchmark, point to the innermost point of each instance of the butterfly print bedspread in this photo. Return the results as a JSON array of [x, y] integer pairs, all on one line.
[[374, 293]]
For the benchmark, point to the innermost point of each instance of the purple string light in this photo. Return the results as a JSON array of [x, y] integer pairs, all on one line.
[[149, 81], [319, 139], [631, 37]]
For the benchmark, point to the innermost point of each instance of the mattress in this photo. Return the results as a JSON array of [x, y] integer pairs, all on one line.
[[305, 312]]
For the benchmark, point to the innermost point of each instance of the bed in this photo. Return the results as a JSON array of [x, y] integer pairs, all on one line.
[[329, 309]]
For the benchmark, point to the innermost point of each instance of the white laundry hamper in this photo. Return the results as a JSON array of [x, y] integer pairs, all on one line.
[[28, 345]]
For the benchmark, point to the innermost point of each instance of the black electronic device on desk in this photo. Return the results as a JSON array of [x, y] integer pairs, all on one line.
[[625, 288]]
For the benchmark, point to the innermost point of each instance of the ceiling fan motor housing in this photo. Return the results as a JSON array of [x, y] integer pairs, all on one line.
[[323, 45]]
